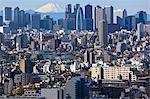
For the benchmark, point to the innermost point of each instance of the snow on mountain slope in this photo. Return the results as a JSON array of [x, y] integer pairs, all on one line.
[[50, 7]]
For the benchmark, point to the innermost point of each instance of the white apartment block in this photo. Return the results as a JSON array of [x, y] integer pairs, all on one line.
[[112, 73]]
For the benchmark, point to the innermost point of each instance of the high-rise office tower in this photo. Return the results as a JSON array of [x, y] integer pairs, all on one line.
[[68, 11], [130, 23], [141, 17], [98, 16], [27, 19], [118, 17], [118, 13], [36, 21], [76, 7], [79, 20], [88, 11], [88, 17], [16, 17], [69, 8], [46, 23], [124, 13], [103, 32], [71, 22], [21, 18], [70, 18], [109, 14], [8, 14], [119, 21], [1, 20], [124, 17]]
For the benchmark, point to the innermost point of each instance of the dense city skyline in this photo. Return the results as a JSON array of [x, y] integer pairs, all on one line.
[[93, 52], [132, 6]]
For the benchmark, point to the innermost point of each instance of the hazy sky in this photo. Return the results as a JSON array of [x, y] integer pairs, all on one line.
[[132, 6]]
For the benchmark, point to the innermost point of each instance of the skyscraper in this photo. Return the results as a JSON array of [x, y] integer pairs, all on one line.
[[103, 32], [124, 13], [79, 20], [68, 11], [22, 18], [109, 14], [98, 15], [16, 17], [70, 18], [88, 11], [130, 23], [124, 17], [76, 7], [46, 23], [71, 22], [27, 19], [141, 17], [36, 21], [8, 14], [88, 17], [118, 13], [69, 8]]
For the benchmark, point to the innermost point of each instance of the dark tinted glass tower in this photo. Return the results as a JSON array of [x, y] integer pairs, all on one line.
[[88, 17], [68, 8], [16, 17], [27, 19], [36, 21], [8, 14], [124, 17], [22, 18], [70, 18], [130, 23], [141, 17], [88, 11], [76, 7]]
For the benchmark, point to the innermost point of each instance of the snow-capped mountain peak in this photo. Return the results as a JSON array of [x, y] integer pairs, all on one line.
[[50, 7]]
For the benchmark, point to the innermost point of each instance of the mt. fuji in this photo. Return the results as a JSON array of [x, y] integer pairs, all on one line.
[[50, 7]]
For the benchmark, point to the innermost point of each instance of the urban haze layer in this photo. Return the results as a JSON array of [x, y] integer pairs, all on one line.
[[93, 52]]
